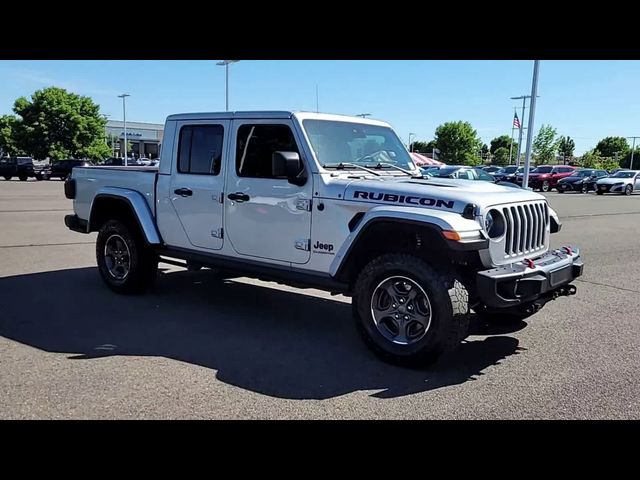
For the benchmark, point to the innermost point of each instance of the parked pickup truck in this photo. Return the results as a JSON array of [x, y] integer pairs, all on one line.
[[21, 167], [328, 202]]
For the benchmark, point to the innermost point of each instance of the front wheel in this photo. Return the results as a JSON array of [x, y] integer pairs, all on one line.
[[126, 263], [598, 192], [585, 188], [628, 190], [408, 313], [545, 187], [23, 178]]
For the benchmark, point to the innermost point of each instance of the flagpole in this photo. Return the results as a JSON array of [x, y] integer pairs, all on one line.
[[513, 127]]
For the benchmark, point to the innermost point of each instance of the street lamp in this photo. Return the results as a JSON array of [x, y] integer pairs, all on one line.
[[124, 119], [532, 113], [225, 64], [411, 135]]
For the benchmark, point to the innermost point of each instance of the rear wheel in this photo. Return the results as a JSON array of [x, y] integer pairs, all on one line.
[[628, 190], [545, 187], [126, 264], [408, 313]]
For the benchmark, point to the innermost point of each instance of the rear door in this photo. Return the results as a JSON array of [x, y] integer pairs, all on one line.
[[197, 181], [266, 217]]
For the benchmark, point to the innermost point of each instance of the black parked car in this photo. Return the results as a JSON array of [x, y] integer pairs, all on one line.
[[21, 167], [62, 168], [581, 181], [509, 174]]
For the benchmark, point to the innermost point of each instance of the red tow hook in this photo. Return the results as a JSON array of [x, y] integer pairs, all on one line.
[[529, 263], [568, 250]]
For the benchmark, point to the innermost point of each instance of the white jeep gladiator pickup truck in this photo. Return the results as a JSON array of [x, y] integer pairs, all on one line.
[[329, 202]]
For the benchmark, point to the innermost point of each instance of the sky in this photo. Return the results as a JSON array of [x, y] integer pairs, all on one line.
[[587, 100]]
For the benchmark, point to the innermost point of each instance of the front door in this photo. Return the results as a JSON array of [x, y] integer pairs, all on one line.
[[197, 182], [266, 217]]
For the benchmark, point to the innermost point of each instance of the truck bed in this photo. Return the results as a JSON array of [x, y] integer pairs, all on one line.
[[89, 180]]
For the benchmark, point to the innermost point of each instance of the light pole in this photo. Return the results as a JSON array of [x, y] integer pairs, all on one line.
[[633, 150], [124, 119], [524, 99], [411, 135], [532, 114], [225, 64]]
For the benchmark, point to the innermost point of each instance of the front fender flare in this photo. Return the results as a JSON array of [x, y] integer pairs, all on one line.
[[436, 219]]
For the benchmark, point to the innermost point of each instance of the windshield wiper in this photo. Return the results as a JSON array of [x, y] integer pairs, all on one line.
[[381, 165], [344, 166]]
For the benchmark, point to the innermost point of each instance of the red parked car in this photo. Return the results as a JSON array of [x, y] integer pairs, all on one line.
[[546, 177]]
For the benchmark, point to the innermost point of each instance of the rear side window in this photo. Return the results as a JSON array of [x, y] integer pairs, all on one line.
[[256, 145], [200, 149], [565, 170]]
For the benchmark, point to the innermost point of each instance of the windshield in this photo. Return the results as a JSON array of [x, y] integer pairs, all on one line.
[[583, 173], [543, 170], [365, 145], [509, 170], [446, 171], [623, 175]]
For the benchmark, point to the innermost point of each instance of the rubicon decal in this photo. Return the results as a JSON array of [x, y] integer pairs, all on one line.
[[406, 199]]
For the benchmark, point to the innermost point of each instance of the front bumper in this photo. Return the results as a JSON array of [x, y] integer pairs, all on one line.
[[608, 187], [525, 282], [570, 187]]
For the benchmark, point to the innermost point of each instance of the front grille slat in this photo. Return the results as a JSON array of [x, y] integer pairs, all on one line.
[[525, 228]]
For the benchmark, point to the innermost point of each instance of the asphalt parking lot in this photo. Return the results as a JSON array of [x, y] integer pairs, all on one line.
[[199, 348]]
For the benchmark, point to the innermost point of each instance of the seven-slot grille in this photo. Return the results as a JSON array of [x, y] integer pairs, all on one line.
[[525, 228]]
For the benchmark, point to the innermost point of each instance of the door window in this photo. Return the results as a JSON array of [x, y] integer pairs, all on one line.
[[256, 145], [200, 149]]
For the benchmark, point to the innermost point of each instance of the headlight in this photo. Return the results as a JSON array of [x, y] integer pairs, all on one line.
[[488, 222], [494, 224]]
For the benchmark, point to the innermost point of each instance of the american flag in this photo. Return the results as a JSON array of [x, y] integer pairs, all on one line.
[[516, 122]]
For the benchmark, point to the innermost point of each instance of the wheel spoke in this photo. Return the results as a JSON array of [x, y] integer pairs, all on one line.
[[401, 310]]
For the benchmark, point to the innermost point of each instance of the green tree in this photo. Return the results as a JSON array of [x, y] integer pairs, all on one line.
[[625, 162], [501, 156], [609, 146], [592, 159], [566, 146], [458, 143], [503, 141], [545, 145], [8, 146], [57, 124]]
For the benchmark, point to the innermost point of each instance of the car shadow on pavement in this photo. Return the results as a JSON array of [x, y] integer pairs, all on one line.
[[278, 343]]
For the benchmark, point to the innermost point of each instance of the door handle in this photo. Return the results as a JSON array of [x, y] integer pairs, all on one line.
[[183, 192], [239, 197]]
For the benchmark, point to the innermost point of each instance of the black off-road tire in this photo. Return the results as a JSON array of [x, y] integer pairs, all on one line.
[[143, 261], [23, 178], [7, 177], [598, 192], [449, 301]]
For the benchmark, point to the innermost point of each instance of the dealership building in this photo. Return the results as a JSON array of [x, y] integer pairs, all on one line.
[[145, 138]]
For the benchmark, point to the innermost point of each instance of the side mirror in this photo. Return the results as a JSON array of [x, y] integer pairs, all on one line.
[[288, 165]]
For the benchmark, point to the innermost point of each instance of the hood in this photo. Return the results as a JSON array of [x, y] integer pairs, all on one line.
[[443, 194], [572, 179], [611, 180]]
